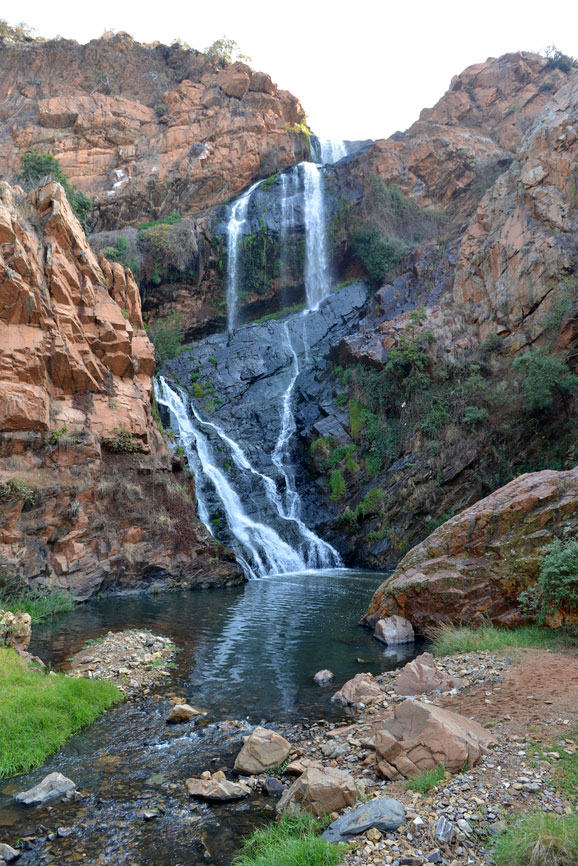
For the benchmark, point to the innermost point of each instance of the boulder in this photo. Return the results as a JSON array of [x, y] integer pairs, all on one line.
[[296, 768], [417, 737], [263, 750], [321, 678], [217, 789], [8, 853], [319, 791], [235, 80], [362, 689], [52, 786], [182, 713], [421, 676], [394, 630], [382, 813], [15, 630]]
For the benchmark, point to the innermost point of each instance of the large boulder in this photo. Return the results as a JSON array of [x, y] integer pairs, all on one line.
[[15, 630], [319, 791], [418, 737], [421, 676], [475, 566], [362, 689], [52, 786], [394, 630], [383, 813], [263, 750]]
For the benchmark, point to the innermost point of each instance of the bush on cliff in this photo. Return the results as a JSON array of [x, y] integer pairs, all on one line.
[[557, 586], [34, 166], [167, 337], [543, 377]]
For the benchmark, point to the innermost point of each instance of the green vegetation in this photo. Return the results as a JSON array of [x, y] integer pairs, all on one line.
[[226, 50], [425, 781], [378, 253], [280, 314], [259, 262], [557, 586], [38, 605], [20, 32], [291, 841], [15, 489], [544, 376], [120, 253], [38, 713], [300, 129], [538, 839], [167, 336], [170, 220], [34, 166], [565, 765], [169, 249], [337, 485], [558, 60], [121, 441], [449, 639]]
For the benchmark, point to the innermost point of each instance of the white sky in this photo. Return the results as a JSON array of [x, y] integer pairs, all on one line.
[[362, 69]]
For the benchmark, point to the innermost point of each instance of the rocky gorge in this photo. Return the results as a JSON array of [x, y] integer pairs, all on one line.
[[259, 358]]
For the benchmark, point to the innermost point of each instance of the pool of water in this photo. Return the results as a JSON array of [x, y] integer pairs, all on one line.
[[247, 653]]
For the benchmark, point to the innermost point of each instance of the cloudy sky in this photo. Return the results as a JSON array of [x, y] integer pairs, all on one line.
[[362, 69]]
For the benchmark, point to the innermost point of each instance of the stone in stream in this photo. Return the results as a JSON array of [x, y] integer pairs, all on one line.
[[319, 791], [217, 789], [52, 786], [394, 630], [362, 689], [382, 813], [323, 677], [421, 675], [182, 713], [263, 750], [7, 853]]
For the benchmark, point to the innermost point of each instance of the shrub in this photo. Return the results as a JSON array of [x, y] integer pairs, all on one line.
[[226, 50], [337, 485], [121, 441], [34, 166], [544, 376], [557, 586], [161, 109], [377, 252], [558, 60], [474, 415], [171, 246], [167, 337]]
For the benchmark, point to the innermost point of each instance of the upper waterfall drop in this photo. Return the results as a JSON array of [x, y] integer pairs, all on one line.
[[317, 271], [237, 219]]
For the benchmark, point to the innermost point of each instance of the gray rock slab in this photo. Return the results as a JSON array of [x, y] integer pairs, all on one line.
[[52, 786], [382, 813]]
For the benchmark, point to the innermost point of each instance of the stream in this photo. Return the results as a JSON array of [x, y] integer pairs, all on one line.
[[247, 653]]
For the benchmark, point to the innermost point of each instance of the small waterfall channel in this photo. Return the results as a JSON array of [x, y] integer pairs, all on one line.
[[262, 509]]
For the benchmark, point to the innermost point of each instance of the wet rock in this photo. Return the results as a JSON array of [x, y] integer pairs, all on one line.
[[217, 789], [7, 853], [394, 630], [382, 813], [362, 689], [421, 676], [182, 713], [323, 677], [319, 791], [274, 788], [418, 737], [263, 750], [52, 786]]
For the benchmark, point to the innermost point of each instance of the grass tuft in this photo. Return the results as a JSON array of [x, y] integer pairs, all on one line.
[[427, 780], [39, 711], [449, 639], [539, 839], [291, 841], [39, 606]]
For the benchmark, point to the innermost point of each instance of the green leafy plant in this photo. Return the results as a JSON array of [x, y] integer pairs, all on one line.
[[557, 585], [337, 485], [167, 337], [226, 50], [121, 441], [543, 376], [34, 166], [425, 781]]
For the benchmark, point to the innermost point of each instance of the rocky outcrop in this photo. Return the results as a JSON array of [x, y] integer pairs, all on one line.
[[475, 566], [144, 129], [86, 487]]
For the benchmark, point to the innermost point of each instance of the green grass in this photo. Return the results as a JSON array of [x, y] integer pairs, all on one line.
[[39, 606], [425, 781], [539, 839], [286, 311], [291, 841], [38, 712], [565, 777], [449, 639]]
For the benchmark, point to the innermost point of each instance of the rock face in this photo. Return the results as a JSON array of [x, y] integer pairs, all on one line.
[[476, 565], [144, 129], [383, 813], [421, 676], [52, 786], [394, 630], [80, 453], [418, 737], [263, 750], [15, 630], [320, 792], [362, 689]]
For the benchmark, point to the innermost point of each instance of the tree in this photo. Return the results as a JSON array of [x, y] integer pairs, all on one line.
[[226, 50]]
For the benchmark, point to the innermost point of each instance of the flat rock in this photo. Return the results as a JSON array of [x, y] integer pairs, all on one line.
[[217, 789], [421, 676], [319, 791], [362, 689], [263, 750], [382, 813], [52, 786], [394, 630]]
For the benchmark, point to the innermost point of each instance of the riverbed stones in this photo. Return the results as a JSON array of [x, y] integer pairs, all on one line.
[[217, 788], [323, 677], [7, 853], [320, 792], [362, 689], [182, 713], [421, 676], [383, 814], [417, 737], [394, 630], [52, 786], [263, 750]]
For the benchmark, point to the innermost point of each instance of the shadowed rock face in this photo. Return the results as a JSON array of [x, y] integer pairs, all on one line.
[[80, 454], [476, 565], [145, 130]]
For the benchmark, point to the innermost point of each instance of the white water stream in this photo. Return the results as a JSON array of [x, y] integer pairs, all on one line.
[[237, 218]]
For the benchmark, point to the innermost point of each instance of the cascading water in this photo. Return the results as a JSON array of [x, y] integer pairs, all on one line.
[[330, 150], [317, 273], [237, 219]]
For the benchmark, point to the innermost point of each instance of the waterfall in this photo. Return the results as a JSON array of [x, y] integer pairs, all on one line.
[[237, 219], [331, 150], [317, 274], [260, 548]]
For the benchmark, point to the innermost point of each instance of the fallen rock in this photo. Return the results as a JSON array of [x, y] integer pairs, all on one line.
[[263, 750], [295, 768], [418, 737], [394, 630], [382, 813], [323, 677], [217, 789], [15, 629], [182, 713], [362, 689], [7, 853], [421, 676], [273, 787], [320, 792], [52, 786]]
